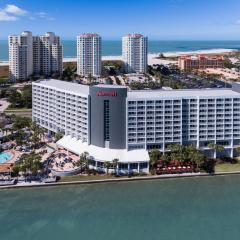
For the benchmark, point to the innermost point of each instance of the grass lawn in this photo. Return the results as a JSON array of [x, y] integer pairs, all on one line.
[[227, 167], [85, 178]]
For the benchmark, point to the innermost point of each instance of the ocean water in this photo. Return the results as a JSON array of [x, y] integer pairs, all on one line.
[[182, 209], [113, 48]]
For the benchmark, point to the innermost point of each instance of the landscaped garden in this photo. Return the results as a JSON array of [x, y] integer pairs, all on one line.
[[26, 141], [188, 159], [227, 165]]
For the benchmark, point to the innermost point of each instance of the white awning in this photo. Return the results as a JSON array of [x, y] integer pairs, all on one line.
[[103, 154]]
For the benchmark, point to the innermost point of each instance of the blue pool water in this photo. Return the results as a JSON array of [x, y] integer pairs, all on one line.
[[5, 156]]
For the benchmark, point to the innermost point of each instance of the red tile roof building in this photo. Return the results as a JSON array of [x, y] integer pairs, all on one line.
[[200, 62]]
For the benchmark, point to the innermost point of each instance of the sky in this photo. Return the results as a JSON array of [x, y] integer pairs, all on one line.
[[157, 19]]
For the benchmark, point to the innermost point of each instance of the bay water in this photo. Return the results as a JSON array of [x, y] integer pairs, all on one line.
[[183, 209], [114, 47]]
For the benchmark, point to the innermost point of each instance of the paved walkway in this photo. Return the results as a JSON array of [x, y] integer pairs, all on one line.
[[125, 179], [3, 105]]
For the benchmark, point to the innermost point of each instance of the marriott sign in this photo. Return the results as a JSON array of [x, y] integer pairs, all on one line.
[[107, 94]]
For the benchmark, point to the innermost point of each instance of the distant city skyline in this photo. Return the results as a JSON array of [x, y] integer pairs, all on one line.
[[163, 20]]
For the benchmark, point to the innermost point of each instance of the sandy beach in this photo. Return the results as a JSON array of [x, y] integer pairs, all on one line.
[[152, 57]]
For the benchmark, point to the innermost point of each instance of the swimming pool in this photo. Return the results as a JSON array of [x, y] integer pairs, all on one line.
[[5, 156]]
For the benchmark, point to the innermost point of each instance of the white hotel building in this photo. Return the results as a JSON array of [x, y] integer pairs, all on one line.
[[34, 55], [89, 54], [135, 53], [111, 121]]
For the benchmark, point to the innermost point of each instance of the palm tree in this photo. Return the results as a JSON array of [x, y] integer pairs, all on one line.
[[211, 145], [57, 136], [107, 165], [21, 122], [176, 152], [90, 78], [155, 155], [80, 162], [198, 158], [35, 138], [237, 149], [34, 126], [85, 160], [165, 158], [219, 148], [20, 137], [115, 164], [216, 148], [41, 133]]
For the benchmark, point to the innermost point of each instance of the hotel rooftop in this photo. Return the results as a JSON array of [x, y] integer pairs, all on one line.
[[161, 93]]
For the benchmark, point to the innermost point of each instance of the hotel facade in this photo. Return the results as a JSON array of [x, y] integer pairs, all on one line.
[[135, 53], [188, 63], [34, 55], [111, 121]]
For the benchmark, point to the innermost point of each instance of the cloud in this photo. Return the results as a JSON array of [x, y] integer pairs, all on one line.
[[44, 15], [14, 10], [11, 13], [6, 17]]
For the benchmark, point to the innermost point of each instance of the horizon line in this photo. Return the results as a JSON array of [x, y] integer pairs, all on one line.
[[154, 39]]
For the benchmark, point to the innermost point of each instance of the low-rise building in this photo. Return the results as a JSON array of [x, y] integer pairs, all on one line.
[[188, 63]]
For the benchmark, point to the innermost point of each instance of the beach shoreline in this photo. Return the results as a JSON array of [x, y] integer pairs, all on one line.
[[152, 57]]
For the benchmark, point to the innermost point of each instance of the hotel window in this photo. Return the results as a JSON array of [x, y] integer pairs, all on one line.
[[143, 165]]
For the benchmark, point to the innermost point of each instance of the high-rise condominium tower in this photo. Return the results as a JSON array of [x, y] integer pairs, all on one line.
[[89, 54], [30, 55], [20, 56], [134, 53]]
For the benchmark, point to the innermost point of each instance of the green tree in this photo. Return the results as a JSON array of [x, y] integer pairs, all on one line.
[[35, 139], [165, 158], [20, 137], [198, 158], [21, 122], [107, 165], [237, 149], [177, 152], [15, 98], [85, 160], [80, 163], [228, 64], [219, 148], [26, 96], [115, 164], [155, 155], [216, 147], [57, 136], [90, 78], [28, 163]]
